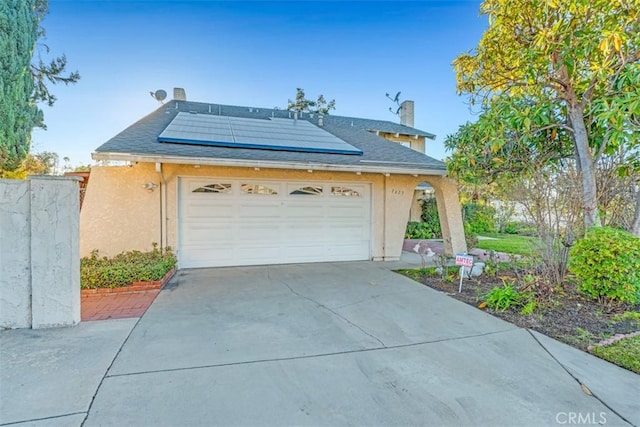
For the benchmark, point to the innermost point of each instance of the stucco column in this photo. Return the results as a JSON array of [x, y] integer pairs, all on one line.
[[450, 214], [399, 190], [415, 214], [55, 255]]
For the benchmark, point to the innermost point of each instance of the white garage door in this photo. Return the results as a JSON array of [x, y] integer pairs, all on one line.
[[227, 222]]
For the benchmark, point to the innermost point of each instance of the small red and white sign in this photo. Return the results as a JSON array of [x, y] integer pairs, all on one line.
[[464, 261]]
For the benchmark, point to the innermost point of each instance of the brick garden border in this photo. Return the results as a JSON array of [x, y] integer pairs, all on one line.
[[134, 287]]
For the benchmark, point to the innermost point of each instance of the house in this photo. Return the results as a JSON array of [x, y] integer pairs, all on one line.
[[227, 185]]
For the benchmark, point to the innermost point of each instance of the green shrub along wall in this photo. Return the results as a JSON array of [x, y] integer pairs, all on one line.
[[125, 268]]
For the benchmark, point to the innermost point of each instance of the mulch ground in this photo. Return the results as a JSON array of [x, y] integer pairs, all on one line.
[[566, 315]]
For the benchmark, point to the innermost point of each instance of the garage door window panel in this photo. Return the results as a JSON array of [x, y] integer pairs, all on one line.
[[258, 189], [307, 190], [345, 191], [216, 188]]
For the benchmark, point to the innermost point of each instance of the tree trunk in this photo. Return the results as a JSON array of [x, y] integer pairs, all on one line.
[[635, 226], [587, 167]]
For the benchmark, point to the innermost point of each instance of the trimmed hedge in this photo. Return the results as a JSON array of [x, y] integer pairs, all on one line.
[[125, 268]]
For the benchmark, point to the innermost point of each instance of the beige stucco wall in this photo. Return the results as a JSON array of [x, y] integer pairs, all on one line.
[[119, 214]]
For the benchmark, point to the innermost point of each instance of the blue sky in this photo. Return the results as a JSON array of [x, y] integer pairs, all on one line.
[[254, 54]]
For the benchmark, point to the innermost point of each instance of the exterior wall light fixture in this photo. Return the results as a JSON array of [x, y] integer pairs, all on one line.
[[150, 186]]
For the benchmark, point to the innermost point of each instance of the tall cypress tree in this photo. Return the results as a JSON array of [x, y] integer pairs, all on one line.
[[18, 111], [24, 77]]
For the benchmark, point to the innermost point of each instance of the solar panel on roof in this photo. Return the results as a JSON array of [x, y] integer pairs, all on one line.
[[272, 134]]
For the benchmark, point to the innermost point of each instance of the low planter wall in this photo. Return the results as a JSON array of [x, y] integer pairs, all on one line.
[[436, 245], [134, 287]]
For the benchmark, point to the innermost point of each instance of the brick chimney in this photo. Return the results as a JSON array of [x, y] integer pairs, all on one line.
[[180, 95], [406, 113]]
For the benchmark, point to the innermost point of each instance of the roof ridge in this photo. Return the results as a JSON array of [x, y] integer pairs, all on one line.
[[335, 116]]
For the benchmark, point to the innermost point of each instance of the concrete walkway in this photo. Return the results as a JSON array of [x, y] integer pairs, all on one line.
[[315, 344]]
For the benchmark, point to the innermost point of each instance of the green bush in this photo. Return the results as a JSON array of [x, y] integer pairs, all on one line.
[[124, 268], [511, 228], [502, 298], [606, 263], [418, 230], [470, 237], [430, 216], [479, 218]]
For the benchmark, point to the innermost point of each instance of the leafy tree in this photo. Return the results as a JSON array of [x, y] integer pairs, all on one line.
[[67, 167], [43, 163], [323, 107], [554, 79], [82, 168], [18, 112], [23, 77], [303, 105]]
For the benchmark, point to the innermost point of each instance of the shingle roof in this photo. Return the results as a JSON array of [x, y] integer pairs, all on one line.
[[140, 139]]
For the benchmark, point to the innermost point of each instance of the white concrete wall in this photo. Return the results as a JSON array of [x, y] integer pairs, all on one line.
[[15, 254], [39, 252]]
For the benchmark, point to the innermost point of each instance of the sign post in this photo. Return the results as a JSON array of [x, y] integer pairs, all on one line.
[[463, 260]]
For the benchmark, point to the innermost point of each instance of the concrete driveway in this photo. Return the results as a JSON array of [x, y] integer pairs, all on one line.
[[336, 344]]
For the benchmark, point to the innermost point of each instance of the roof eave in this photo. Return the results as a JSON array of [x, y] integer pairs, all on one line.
[[208, 161]]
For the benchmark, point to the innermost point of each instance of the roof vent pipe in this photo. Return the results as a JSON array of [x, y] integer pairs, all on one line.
[[295, 116], [320, 120]]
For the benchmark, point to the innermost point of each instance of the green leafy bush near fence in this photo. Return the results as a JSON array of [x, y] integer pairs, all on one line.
[[125, 268], [479, 218], [606, 262], [418, 230], [430, 217]]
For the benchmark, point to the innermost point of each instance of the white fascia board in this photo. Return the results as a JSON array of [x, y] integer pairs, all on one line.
[[204, 161]]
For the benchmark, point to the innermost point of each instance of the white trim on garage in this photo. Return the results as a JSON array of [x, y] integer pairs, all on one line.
[[232, 222]]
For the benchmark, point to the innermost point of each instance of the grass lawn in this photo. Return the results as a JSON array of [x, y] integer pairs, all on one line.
[[625, 353], [508, 243]]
